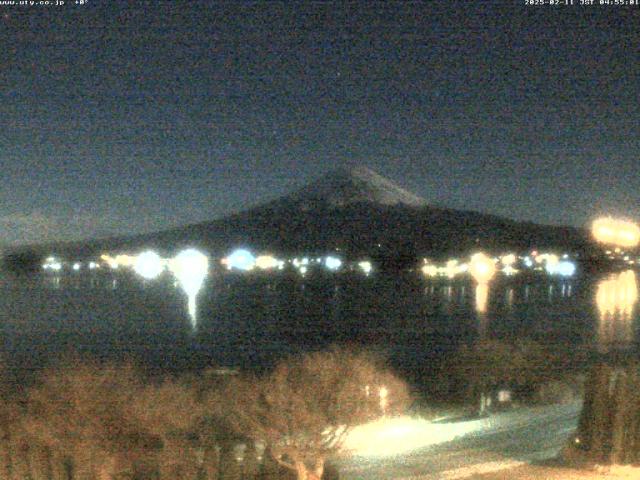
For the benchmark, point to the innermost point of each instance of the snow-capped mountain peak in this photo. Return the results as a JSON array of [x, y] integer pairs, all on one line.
[[356, 185]]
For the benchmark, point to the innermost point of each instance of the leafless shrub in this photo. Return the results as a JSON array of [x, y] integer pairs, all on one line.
[[304, 408], [78, 413]]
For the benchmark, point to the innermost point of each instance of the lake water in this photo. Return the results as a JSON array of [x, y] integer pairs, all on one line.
[[251, 320]]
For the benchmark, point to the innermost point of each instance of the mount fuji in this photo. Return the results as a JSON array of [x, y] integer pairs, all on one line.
[[357, 185], [355, 211]]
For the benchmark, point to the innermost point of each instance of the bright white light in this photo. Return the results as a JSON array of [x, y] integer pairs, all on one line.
[[332, 263], [241, 259], [190, 267], [93, 265], [564, 268], [365, 267], [52, 263], [148, 265], [76, 267], [303, 270], [398, 435], [528, 262]]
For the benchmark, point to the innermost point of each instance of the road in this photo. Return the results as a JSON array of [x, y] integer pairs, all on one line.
[[420, 450]]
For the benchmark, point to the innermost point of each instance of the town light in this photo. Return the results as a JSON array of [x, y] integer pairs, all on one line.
[[125, 260], [430, 270], [564, 268], [509, 270], [332, 263], [451, 268], [617, 232], [190, 268], [241, 259], [52, 263], [109, 260], [266, 262], [508, 260], [365, 266], [148, 265], [481, 268]]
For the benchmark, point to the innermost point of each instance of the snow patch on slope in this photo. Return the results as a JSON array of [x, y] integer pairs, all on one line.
[[360, 184]]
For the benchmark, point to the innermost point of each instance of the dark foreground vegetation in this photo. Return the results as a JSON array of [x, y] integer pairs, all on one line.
[[530, 372], [86, 421]]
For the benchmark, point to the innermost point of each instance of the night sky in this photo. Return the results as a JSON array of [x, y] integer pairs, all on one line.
[[126, 117]]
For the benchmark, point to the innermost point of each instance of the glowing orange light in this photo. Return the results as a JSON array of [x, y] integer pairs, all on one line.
[[266, 262], [482, 268], [482, 297], [616, 298], [616, 232], [109, 260], [508, 260], [451, 269], [125, 260], [552, 259]]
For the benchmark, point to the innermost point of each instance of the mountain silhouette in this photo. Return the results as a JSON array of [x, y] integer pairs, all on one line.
[[355, 211]]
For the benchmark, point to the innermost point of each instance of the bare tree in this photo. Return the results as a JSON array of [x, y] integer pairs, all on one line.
[[79, 412], [172, 412], [303, 410]]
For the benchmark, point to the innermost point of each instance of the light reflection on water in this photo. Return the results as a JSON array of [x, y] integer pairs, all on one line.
[[248, 320], [616, 299]]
